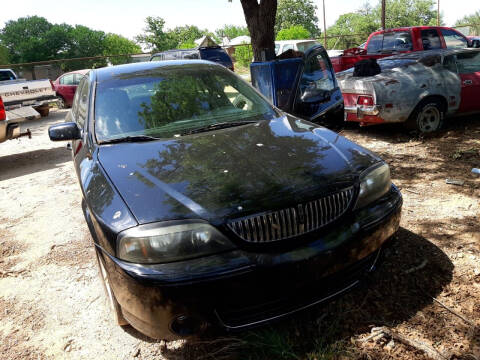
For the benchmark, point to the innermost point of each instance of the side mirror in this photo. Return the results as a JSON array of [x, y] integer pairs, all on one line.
[[64, 131], [313, 95]]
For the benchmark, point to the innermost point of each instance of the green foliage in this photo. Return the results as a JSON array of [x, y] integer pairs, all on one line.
[[33, 38], [187, 45], [4, 56], [297, 12], [116, 45], [186, 34], [471, 19], [296, 32], [409, 13], [231, 31], [244, 54], [365, 20], [155, 37]]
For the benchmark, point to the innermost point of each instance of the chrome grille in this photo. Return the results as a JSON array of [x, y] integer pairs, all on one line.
[[293, 221]]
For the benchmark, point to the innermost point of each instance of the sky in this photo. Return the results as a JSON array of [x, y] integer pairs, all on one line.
[[127, 17]]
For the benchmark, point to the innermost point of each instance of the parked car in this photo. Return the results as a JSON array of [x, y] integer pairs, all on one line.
[[211, 53], [66, 86], [388, 42], [298, 45], [418, 89], [22, 100], [206, 212]]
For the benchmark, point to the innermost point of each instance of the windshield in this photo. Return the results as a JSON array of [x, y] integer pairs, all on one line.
[[168, 101]]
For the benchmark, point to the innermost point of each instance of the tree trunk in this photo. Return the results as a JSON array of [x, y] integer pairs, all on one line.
[[260, 18]]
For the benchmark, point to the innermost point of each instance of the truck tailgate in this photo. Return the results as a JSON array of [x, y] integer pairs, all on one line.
[[25, 92]]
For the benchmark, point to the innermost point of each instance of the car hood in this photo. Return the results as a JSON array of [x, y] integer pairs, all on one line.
[[232, 172]]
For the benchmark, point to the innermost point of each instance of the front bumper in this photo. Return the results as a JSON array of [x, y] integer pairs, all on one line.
[[240, 289]]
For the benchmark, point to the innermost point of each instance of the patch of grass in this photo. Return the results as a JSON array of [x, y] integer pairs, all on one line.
[[298, 338]]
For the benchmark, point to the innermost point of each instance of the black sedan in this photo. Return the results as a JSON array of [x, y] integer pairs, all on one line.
[[208, 206]]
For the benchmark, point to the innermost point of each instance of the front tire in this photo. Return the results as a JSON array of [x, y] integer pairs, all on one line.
[[115, 307], [427, 117]]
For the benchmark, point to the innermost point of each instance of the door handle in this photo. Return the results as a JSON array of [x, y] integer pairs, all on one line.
[[467, 82]]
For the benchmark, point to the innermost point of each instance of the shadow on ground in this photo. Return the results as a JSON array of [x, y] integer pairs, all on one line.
[[30, 162], [394, 293]]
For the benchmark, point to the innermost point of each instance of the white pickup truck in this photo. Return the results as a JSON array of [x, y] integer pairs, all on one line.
[[22, 100]]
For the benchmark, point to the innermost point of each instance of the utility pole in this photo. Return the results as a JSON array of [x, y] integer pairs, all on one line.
[[324, 28], [383, 14], [438, 12]]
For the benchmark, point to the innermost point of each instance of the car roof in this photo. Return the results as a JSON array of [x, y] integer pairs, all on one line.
[[83, 72], [408, 28], [416, 55], [107, 73], [282, 42]]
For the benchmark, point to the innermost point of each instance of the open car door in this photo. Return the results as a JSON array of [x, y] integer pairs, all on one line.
[[317, 93]]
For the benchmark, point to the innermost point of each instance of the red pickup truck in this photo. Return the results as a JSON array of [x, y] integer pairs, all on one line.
[[406, 39]]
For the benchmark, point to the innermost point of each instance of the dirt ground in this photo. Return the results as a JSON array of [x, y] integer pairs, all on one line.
[[52, 304]]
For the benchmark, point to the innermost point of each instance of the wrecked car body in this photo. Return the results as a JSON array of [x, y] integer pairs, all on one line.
[[208, 206], [418, 89]]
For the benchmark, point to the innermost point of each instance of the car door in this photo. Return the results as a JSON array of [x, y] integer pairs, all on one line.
[[317, 89], [468, 65], [67, 88]]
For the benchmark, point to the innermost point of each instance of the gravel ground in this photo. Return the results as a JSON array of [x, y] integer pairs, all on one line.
[[52, 304]]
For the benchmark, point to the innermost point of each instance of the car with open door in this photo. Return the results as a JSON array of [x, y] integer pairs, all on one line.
[[304, 86], [208, 206]]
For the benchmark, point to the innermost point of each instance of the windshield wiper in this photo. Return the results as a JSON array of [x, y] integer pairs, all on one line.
[[136, 138], [216, 126]]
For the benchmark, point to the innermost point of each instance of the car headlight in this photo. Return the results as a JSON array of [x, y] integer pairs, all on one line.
[[375, 182], [171, 241]]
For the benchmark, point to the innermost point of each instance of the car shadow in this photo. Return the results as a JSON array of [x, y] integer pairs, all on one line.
[[30, 162], [411, 273]]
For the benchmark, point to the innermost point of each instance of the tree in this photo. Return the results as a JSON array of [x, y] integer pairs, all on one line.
[[362, 22], [155, 37], [4, 56], [297, 12], [473, 19], [409, 13], [186, 35], [231, 31], [117, 45], [296, 32], [30, 39], [260, 18]]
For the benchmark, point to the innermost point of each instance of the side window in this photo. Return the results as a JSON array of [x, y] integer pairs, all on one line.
[[287, 47], [430, 39], [449, 63], [468, 63], [67, 80], [75, 102], [454, 40], [77, 79], [83, 102], [375, 44], [317, 76]]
